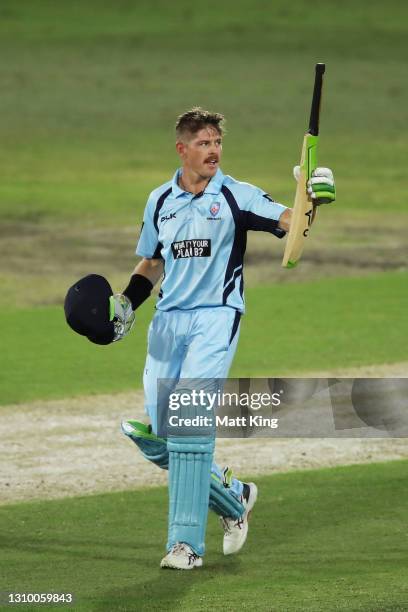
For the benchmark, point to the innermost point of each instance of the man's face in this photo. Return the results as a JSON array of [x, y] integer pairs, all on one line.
[[201, 152]]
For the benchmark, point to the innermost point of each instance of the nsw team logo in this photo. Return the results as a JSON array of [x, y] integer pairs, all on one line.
[[214, 208]]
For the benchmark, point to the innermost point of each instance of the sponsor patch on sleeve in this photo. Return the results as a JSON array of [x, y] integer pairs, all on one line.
[[197, 247]]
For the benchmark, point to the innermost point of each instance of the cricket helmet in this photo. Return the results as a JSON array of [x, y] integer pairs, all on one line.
[[87, 309]]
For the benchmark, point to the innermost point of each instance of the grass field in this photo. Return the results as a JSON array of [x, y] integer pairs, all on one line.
[[90, 94], [329, 539], [336, 322]]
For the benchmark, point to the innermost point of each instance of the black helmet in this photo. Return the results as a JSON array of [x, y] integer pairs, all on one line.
[[86, 308]]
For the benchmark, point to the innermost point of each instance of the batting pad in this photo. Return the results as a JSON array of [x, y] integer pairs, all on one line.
[[190, 460], [222, 501]]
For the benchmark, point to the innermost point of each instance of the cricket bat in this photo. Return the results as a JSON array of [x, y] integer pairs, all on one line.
[[303, 213]]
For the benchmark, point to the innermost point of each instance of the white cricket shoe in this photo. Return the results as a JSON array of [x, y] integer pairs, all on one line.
[[181, 556], [236, 530]]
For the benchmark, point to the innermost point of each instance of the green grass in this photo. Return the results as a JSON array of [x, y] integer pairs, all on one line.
[[91, 92], [332, 539], [340, 322], [335, 323]]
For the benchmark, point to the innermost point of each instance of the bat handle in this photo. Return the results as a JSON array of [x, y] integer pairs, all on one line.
[[317, 95]]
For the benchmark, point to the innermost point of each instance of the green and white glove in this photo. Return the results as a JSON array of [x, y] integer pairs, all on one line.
[[122, 315], [320, 186]]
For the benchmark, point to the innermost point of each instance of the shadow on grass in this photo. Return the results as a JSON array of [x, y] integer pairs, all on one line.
[[125, 575], [166, 589], [84, 550]]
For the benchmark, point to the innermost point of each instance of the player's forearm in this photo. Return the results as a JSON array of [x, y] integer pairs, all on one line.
[[286, 216], [144, 277], [152, 269]]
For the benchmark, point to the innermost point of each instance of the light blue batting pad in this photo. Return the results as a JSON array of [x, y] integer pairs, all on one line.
[[190, 460], [224, 500]]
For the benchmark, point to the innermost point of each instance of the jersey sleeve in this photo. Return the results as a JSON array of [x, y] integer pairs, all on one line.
[[260, 212], [148, 245]]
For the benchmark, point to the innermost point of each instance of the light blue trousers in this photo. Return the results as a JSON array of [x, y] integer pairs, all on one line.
[[188, 344]]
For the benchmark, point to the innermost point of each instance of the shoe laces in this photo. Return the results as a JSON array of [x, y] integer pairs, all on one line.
[[226, 524], [229, 523], [181, 548]]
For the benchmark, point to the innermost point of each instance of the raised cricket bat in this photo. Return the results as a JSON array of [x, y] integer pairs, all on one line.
[[303, 213]]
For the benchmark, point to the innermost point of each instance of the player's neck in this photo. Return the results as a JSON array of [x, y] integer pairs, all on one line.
[[192, 182]]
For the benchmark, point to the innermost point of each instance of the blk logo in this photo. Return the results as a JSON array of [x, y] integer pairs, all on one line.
[[168, 217]]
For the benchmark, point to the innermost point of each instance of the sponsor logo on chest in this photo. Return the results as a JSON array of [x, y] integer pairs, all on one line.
[[196, 247]]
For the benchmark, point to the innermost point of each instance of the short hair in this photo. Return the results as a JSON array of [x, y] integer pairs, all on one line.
[[196, 119]]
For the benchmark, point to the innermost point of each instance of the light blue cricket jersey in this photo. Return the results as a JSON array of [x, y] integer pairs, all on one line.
[[202, 239]]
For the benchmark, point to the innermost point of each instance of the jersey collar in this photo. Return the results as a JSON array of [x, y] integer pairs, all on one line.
[[213, 187]]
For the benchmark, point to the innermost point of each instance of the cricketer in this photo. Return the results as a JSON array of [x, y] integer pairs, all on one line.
[[193, 237]]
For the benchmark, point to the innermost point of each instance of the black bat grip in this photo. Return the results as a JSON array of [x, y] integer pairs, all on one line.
[[317, 94]]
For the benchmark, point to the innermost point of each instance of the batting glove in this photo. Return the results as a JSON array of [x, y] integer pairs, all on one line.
[[122, 315], [320, 186]]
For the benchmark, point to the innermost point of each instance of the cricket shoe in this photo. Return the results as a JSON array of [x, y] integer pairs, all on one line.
[[181, 556], [236, 530]]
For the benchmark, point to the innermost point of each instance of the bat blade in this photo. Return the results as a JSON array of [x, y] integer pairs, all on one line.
[[302, 210]]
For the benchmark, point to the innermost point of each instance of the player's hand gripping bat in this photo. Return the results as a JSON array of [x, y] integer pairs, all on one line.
[[304, 209]]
